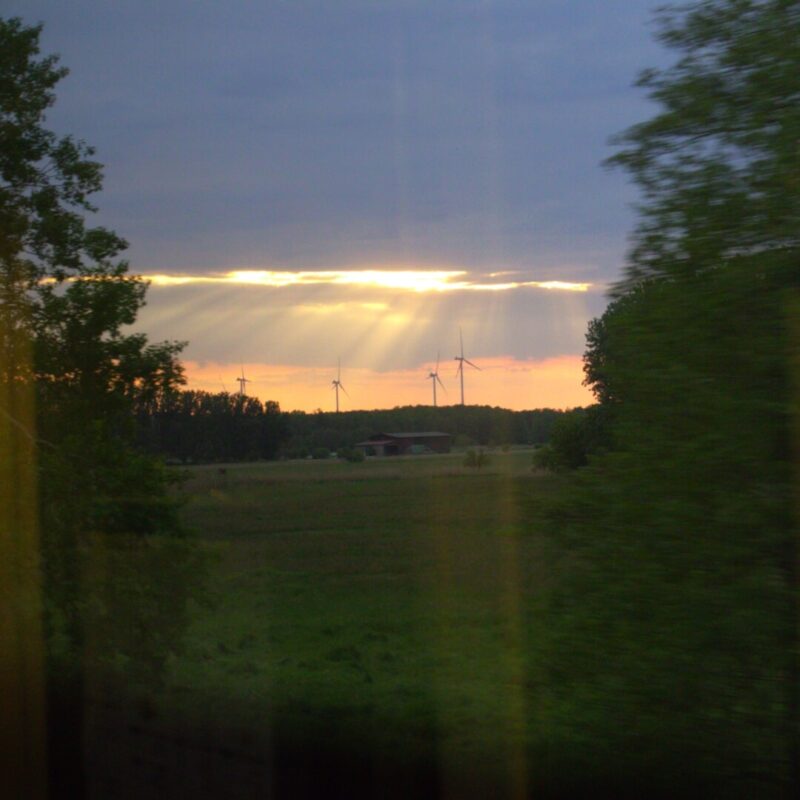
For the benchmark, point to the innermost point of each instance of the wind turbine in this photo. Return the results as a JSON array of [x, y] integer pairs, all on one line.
[[337, 384], [242, 381], [461, 361], [434, 378]]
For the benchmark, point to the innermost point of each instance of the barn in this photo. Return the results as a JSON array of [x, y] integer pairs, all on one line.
[[401, 444]]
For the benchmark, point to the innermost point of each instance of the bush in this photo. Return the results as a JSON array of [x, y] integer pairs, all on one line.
[[576, 436], [352, 454], [296, 452], [477, 459], [546, 457], [319, 453]]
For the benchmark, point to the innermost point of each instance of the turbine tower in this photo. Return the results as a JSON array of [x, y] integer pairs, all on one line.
[[434, 378], [337, 384], [242, 381], [461, 361]]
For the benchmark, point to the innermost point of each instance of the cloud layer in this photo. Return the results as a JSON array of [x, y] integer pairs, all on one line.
[[288, 330], [311, 133], [419, 281]]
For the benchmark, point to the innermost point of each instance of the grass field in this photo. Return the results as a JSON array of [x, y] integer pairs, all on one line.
[[381, 607]]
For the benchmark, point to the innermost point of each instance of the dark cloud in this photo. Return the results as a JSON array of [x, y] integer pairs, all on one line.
[[300, 134]]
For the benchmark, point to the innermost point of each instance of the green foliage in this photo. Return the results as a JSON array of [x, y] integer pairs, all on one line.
[[352, 454], [320, 453], [718, 164], [674, 552], [545, 458], [670, 634], [66, 297], [576, 436]]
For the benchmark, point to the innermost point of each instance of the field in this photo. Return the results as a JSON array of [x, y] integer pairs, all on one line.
[[376, 613]]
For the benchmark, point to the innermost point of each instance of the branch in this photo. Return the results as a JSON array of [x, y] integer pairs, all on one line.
[[33, 439]]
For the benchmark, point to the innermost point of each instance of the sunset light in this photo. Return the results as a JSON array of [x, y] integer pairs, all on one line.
[[513, 383], [385, 325], [402, 280]]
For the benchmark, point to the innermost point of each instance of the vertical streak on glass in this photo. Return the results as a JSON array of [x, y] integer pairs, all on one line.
[[511, 588], [793, 711], [401, 138], [479, 679], [22, 728], [443, 631]]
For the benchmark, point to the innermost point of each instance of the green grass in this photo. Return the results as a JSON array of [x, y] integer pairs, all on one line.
[[386, 602]]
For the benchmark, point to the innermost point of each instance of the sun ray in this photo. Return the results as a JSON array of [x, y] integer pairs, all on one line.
[[417, 281]]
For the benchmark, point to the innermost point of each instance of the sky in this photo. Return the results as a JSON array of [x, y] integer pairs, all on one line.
[[364, 181]]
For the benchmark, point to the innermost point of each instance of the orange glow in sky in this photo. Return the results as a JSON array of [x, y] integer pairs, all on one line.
[[501, 381]]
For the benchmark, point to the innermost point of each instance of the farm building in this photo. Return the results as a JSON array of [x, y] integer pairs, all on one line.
[[400, 444]]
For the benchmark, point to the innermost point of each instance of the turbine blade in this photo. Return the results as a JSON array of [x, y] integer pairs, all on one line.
[[439, 381], [472, 365], [437, 362], [461, 339], [344, 390]]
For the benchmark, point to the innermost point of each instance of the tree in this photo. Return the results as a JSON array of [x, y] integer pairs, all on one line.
[[578, 434], [66, 297], [670, 633], [718, 166], [62, 286]]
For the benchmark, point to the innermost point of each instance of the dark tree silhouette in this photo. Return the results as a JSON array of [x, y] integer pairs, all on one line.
[[65, 298], [671, 632]]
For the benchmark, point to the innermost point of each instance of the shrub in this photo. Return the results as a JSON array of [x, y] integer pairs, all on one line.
[[576, 436], [352, 454], [476, 458]]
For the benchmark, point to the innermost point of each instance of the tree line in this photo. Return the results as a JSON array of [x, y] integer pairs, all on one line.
[[196, 426]]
